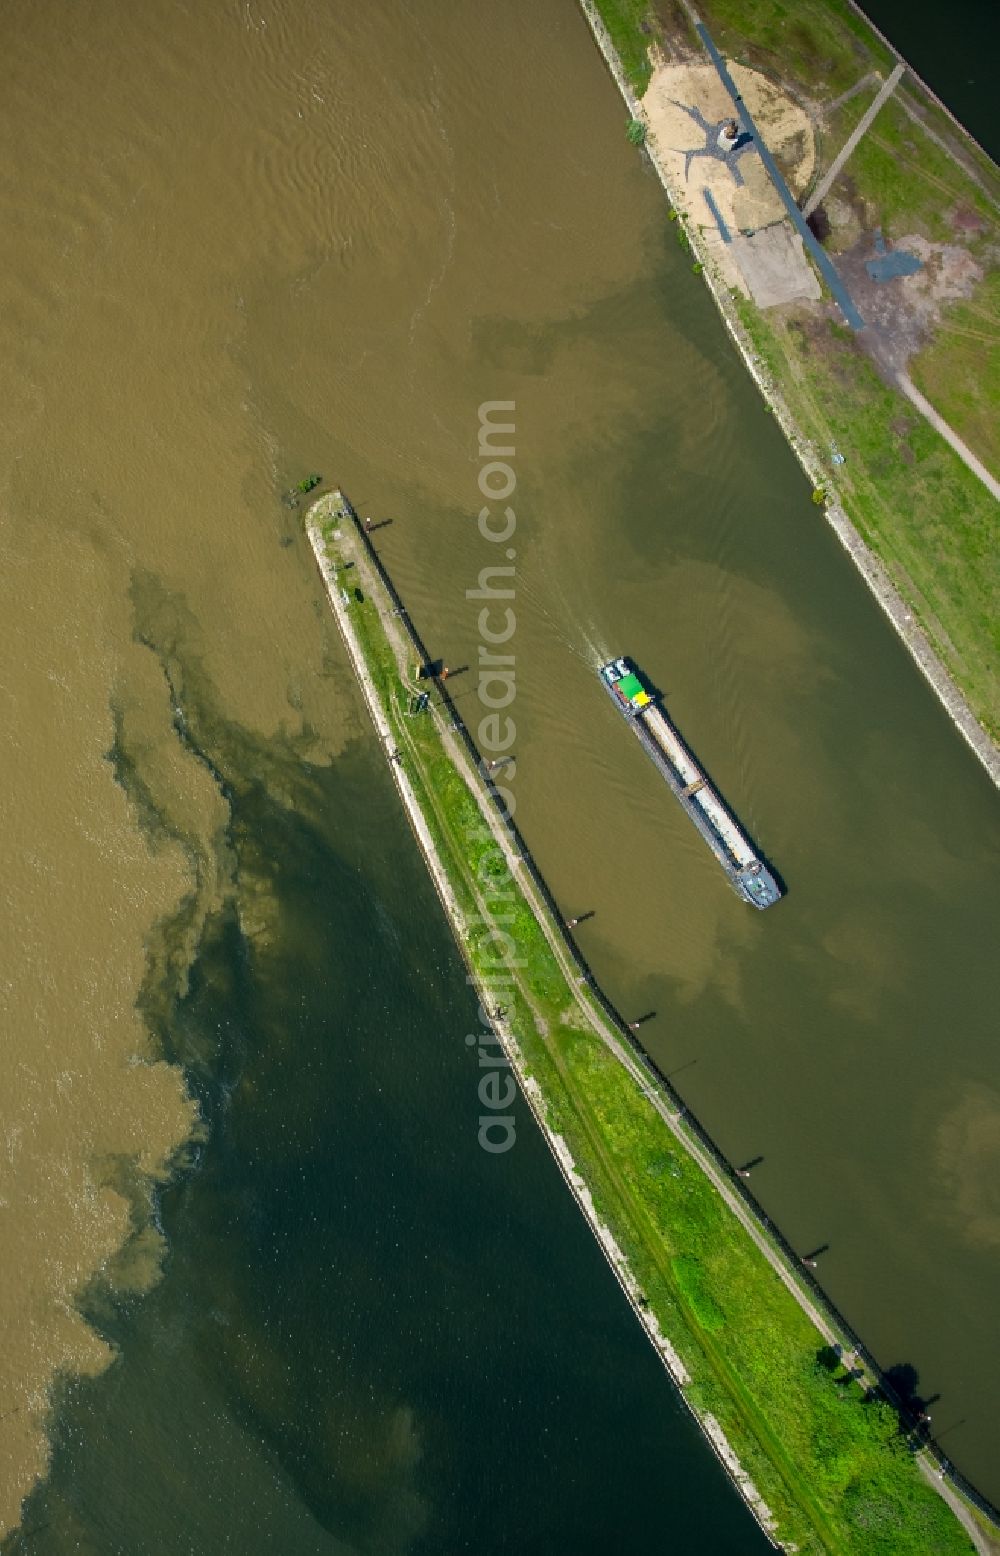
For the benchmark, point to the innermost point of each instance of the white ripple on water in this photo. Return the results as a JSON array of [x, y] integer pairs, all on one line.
[[63, 195], [315, 158]]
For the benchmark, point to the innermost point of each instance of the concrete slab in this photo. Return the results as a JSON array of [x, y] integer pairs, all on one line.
[[774, 266]]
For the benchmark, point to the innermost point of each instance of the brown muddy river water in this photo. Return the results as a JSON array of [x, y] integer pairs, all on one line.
[[245, 240]]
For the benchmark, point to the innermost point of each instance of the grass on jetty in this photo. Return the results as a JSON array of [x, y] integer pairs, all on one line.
[[816, 40], [828, 1459], [929, 519], [631, 28]]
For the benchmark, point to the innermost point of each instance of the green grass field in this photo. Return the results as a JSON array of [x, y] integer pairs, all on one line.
[[829, 1460], [911, 498], [913, 182], [815, 41], [631, 27], [930, 520], [960, 372]]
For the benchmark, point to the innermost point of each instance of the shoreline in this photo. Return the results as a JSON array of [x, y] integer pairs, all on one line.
[[871, 567], [587, 1002], [529, 1087]]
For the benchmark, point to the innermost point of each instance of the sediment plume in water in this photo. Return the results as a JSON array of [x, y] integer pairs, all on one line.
[[117, 853], [90, 1117], [239, 244]]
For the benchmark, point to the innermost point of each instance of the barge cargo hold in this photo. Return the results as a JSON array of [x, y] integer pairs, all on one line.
[[723, 834]]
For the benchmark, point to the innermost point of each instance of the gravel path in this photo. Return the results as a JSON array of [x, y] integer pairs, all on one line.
[[860, 129], [939, 424]]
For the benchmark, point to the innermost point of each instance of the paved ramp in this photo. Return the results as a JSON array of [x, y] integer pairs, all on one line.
[[822, 261], [826, 184]]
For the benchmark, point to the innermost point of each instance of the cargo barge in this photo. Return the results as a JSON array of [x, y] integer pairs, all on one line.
[[723, 834]]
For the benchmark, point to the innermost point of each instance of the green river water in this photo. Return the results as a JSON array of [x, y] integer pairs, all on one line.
[[250, 240], [371, 1335]]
